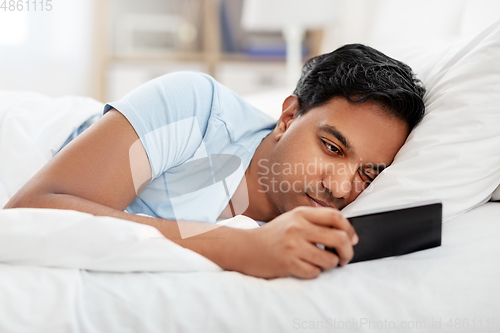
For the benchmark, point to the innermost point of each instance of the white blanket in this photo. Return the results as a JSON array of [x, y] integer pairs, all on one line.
[[71, 239], [32, 129], [59, 275]]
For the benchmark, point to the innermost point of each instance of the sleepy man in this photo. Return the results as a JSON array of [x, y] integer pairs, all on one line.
[[183, 150]]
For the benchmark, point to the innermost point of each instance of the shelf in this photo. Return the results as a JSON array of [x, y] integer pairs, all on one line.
[[249, 58], [190, 57], [210, 58], [163, 58]]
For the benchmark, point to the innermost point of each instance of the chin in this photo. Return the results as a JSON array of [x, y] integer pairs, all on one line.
[[290, 203]]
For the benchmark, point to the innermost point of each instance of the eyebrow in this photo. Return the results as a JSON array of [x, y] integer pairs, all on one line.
[[332, 130]]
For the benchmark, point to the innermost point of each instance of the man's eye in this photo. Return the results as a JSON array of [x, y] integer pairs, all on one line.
[[331, 147], [368, 175]]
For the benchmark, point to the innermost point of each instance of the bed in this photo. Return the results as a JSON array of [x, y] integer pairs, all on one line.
[[128, 279], [67, 271]]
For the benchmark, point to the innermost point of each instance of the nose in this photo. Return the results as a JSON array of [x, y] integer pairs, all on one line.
[[340, 181]]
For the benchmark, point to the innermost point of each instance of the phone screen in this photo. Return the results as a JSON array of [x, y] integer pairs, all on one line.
[[396, 232]]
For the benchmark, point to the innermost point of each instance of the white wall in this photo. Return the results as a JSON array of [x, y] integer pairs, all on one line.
[[55, 57], [381, 23]]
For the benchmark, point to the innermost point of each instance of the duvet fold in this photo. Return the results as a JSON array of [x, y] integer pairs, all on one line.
[[71, 239]]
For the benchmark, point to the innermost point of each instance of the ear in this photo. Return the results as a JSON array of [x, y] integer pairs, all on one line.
[[288, 115]]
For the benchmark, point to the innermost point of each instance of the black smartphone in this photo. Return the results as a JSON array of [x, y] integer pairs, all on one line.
[[397, 231]]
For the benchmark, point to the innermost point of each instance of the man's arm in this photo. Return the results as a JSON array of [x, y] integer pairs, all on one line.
[[102, 171]]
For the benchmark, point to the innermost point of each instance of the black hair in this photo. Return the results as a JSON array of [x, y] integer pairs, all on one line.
[[360, 73]]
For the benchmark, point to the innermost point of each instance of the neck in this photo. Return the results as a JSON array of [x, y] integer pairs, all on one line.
[[260, 207]]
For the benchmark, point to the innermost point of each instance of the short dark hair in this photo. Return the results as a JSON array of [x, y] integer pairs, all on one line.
[[360, 73]]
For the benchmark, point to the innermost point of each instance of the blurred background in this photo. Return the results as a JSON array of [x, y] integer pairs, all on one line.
[[105, 48]]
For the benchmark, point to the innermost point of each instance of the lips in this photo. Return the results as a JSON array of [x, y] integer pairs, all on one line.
[[317, 203]]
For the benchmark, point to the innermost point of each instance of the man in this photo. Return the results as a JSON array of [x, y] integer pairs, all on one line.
[[350, 113]]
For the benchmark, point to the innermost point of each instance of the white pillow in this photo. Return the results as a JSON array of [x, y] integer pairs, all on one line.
[[496, 195], [454, 154]]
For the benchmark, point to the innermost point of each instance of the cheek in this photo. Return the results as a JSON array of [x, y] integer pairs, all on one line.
[[294, 154], [358, 186]]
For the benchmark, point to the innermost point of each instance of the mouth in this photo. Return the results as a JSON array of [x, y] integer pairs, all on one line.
[[317, 203]]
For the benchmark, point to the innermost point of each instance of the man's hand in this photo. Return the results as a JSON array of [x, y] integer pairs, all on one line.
[[287, 245]]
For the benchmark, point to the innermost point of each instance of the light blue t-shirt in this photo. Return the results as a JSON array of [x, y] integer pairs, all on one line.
[[199, 137]]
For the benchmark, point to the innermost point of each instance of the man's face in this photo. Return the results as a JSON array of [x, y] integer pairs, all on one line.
[[331, 153]]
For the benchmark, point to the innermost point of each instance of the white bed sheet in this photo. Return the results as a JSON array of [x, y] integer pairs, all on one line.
[[457, 281]]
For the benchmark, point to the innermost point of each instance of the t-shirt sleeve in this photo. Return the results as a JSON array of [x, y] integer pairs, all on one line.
[[170, 114]]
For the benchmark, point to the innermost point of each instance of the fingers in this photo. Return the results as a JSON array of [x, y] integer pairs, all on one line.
[[289, 242], [321, 258], [305, 270], [329, 237], [328, 217]]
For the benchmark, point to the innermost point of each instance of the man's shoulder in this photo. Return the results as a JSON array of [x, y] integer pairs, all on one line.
[[186, 82], [211, 100]]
